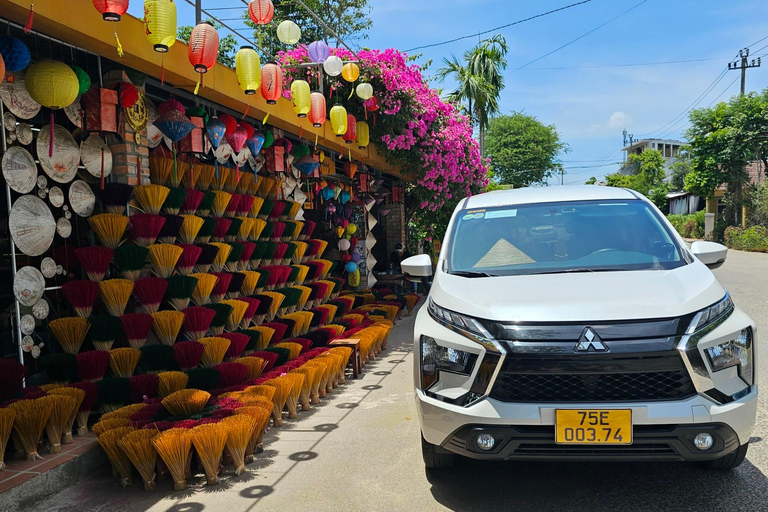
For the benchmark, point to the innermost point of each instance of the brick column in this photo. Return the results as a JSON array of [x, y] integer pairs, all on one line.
[[127, 156]]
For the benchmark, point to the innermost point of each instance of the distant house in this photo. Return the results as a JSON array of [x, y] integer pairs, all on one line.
[[669, 148]]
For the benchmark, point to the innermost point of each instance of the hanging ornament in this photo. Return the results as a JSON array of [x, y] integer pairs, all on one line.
[[2, 69], [339, 120], [364, 91], [247, 67], [300, 96], [229, 122], [350, 72], [160, 23], [174, 125], [288, 32], [271, 84], [15, 53], [203, 49], [111, 10], [255, 143], [215, 129], [318, 51], [333, 65], [371, 105], [350, 169], [261, 12], [351, 132], [317, 109], [52, 84], [363, 135], [83, 79], [306, 165]]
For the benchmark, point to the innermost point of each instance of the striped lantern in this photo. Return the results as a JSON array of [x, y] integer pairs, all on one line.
[[288, 32], [271, 82], [261, 12], [248, 68], [351, 133], [300, 96], [203, 46], [339, 120], [363, 134], [111, 10], [350, 72], [52, 84], [317, 109], [160, 23]]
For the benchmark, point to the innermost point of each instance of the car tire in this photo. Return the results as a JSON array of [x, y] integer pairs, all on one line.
[[435, 458], [730, 461]]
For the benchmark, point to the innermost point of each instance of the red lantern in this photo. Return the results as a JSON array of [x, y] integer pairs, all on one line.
[[317, 109], [261, 11], [371, 104], [203, 46], [111, 10], [271, 82], [351, 133]]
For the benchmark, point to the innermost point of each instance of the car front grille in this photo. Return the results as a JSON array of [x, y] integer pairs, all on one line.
[[592, 379], [553, 450]]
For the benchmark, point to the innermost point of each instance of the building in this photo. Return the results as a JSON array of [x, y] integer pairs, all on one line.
[[669, 149]]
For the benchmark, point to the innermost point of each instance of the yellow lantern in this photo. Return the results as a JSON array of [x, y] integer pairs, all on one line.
[[300, 96], [52, 84], [248, 69], [363, 134], [350, 72], [364, 91], [339, 120], [288, 32], [160, 23]]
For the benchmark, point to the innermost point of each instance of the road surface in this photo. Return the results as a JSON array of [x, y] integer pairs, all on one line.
[[360, 451]]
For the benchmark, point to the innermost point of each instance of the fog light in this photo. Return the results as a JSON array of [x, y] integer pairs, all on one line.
[[485, 442], [703, 441]]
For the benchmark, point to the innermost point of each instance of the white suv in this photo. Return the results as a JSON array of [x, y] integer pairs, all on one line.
[[574, 323]]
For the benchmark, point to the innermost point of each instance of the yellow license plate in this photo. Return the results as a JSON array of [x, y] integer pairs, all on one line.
[[593, 426]]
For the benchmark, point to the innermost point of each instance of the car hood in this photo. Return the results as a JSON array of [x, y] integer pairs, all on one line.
[[592, 296]]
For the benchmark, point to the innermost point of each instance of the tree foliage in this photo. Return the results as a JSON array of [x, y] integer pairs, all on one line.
[[227, 44], [645, 174], [680, 169], [522, 150]]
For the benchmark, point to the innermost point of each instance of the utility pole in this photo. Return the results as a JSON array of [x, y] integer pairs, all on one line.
[[743, 65], [198, 11]]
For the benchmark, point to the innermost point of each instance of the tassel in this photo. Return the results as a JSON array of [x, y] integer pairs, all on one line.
[[197, 87], [119, 46], [102, 168], [316, 137], [247, 108], [350, 154], [301, 129], [264, 121], [50, 146], [162, 69], [366, 113], [237, 174], [216, 164], [351, 93], [175, 179], [30, 19]]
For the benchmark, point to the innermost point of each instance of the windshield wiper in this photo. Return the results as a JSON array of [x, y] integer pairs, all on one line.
[[472, 273], [578, 271]]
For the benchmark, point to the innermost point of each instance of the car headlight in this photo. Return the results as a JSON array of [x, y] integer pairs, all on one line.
[[736, 352], [706, 316], [436, 358], [462, 323]]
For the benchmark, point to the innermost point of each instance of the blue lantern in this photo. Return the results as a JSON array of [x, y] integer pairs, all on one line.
[[255, 142], [215, 129]]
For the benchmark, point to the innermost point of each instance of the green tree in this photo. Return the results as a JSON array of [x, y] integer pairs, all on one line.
[[680, 169], [523, 150], [644, 173], [591, 181], [479, 78], [349, 19], [227, 44]]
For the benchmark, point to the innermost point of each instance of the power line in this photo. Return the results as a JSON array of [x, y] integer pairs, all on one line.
[[724, 91], [583, 35], [629, 65], [500, 27]]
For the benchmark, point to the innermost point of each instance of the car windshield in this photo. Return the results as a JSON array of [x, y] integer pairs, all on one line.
[[574, 236]]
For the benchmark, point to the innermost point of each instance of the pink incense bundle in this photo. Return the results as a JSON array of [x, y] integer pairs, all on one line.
[[277, 232], [197, 320], [244, 207], [221, 287], [277, 210], [220, 231], [253, 305], [233, 205], [146, 227], [188, 354], [245, 256], [231, 374], [307, 230], [191, 201], [82, 295], [137, 327], [279, 334], [95, 261], [237, 344], [188, 259], [149, 291], [92, 365]]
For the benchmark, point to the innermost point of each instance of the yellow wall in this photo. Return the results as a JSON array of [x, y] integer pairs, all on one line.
[[78, 23]]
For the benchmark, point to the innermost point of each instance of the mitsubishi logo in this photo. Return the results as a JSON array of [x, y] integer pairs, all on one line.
[[590, 339]]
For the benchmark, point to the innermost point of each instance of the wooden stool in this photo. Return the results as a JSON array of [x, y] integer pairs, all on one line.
[[354, 344]]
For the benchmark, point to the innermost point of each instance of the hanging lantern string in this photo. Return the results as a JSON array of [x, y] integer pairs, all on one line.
[[30, 19], [119, 46], [317, 135], [199, 79], [102, 167], [247, 108], [50, 145], [162, 69]]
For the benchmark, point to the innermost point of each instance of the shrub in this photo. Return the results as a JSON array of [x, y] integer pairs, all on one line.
[[754, 238], [732, 237], [689, 226]]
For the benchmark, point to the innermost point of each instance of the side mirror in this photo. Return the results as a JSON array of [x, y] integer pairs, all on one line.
[[417, 267], [710, 253]]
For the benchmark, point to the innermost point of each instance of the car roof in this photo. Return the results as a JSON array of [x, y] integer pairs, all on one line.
[[532, 195]]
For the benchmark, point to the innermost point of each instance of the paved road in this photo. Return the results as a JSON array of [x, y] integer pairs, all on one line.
[[360, 451]]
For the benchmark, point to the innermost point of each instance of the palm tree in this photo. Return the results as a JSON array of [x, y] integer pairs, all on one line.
[[479, 80]]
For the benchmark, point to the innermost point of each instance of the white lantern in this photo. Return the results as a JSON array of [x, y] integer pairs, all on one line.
[[288, 32], [333, 65], [364, 91]]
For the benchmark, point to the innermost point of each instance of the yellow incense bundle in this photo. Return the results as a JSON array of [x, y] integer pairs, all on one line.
[[173, 446], [209, 441], [166, 325], [283, 388], [123, 361], [221, 257], [7, 416], [203, 288], [163, 259], [106, 425], [310, 376], [109, 227], [255, 365], [297, 383], [170, 382], [294, 348], [186, 402], [115, 294], [151, 197], [109, 441], [240, 429], [61, 408], [137, 446], [70, 332], [215, 350], [77, 395], [29, 424]]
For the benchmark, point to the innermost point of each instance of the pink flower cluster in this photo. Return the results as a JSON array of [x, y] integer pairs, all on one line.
[[432, 140]]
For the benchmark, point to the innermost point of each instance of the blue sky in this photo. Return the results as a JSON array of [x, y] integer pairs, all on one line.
[[581, 89]]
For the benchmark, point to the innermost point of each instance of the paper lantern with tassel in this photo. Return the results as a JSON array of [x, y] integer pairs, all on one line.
[[351, 133], [333, 65], [318, 51], [350, 169], [288, 32], [300, 96], [364, 91], [160, 23], [261, 12], [271, 82], [339, 120], [215, 130], [203, 46], [248, 67], [255, 142], [363, 134], [54, 85], [237, 139], [350, 72], [111, 10], [317, 109], [15, 53]]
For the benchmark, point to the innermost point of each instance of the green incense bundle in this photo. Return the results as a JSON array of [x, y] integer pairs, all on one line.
[[206, 231], [103, 331], [180, 290], [282, 354], [266, 208], [113, 393], [205, 205], [61, 368], [266, 233], [234, 229], [130, 260], [156, 359], [290, 231], [253, 341], [202, 378], [233, 260], [293, 275], [222, 314], [175, 200]]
